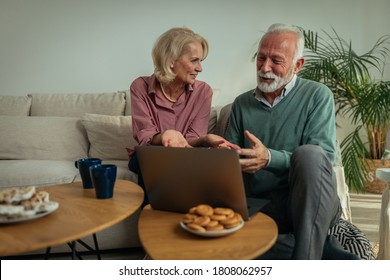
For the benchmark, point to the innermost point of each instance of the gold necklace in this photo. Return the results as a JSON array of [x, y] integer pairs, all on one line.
[[166, 96]]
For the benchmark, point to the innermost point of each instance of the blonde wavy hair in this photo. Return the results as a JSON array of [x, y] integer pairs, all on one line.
[[169, 47]]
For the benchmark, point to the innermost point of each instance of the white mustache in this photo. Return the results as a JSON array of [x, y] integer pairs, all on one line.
[[268, 75]]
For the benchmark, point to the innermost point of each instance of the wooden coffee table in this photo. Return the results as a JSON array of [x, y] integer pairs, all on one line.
[[80, 214], [162, 238]]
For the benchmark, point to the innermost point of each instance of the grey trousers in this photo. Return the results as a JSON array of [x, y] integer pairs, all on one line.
[[308, 207]]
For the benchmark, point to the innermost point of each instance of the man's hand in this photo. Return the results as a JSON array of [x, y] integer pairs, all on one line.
[[256, 157]]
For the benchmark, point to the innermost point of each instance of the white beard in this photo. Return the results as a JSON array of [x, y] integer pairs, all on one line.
[[276, 84]]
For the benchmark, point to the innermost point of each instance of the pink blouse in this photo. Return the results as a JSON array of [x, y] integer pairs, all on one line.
[[152, 114]]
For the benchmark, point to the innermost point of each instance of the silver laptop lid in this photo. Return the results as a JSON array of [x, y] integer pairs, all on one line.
[[177, 179]]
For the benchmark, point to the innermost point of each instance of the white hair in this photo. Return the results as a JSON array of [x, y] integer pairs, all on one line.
[[284, 28]]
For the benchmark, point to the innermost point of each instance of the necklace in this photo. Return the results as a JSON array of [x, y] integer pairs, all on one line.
[[166, 96]]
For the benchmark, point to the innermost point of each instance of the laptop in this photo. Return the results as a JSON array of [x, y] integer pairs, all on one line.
[[177, 179]]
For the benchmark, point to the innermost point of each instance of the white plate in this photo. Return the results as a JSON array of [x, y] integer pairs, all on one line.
[[9, 220], [213, 233]]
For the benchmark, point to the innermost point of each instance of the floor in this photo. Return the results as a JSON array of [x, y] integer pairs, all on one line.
[[365, 209]]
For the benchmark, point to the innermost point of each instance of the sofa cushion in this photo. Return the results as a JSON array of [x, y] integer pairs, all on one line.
[[109, 136], [56, 138], [76, 105], [15, 105], [15, 173]]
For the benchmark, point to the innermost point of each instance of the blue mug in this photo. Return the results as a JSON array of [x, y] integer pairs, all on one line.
[[83, 166], [103, 179]]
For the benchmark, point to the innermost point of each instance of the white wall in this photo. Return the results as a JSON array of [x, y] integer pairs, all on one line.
[[59, 46]]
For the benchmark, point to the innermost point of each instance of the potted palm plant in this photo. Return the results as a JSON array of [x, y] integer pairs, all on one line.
[[358, 95]]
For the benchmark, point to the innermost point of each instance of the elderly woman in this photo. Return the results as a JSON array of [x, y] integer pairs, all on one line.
[[171, 107]]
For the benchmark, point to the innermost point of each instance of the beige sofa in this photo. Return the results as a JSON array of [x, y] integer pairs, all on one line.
[[43, 134]]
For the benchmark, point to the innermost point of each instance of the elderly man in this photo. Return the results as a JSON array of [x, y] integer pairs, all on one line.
[[286, 130]]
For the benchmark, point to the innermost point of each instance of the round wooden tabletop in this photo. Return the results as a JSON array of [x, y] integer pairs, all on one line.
[[79, 214], [162, 238]]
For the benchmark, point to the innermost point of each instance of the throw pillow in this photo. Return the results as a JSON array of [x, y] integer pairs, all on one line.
[[109, 136], [352, 239]]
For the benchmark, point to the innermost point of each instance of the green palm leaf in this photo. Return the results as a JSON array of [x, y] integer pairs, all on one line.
[[353, 156], [331, 60]]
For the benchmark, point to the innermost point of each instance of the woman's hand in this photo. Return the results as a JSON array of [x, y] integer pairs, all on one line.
[[173, 138], [215, 141]]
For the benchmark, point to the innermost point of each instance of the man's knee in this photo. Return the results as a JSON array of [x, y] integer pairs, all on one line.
[[308, 151], [309, 155]]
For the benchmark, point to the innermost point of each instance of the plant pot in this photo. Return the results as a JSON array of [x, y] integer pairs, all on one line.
[[374, 184]]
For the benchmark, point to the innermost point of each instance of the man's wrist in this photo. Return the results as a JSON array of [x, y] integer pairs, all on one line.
[[269, 158]]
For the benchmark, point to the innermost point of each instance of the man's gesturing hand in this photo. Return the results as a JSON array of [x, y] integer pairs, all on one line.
[[254, 158]]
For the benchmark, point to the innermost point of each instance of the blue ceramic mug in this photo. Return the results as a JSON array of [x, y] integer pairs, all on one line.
[[83, 167], [103, 179]]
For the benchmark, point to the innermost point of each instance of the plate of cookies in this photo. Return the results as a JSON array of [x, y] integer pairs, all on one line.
[[204, 220], [21, 204]]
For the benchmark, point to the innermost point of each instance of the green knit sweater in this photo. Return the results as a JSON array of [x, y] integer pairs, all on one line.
[[305, 116]]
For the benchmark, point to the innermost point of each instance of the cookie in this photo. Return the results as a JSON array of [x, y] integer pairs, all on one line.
[[232, 225], [223, 211], [196, 227], [217, 217], [192, 210], [215, 227], [7, 196], [30, 204], [24, 193], [212, 223], [233, 221], [16, 195], [204, 210], [230, 221], [36, 201], [41, 196], [202, 220], [189, 218], [238, 215]]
